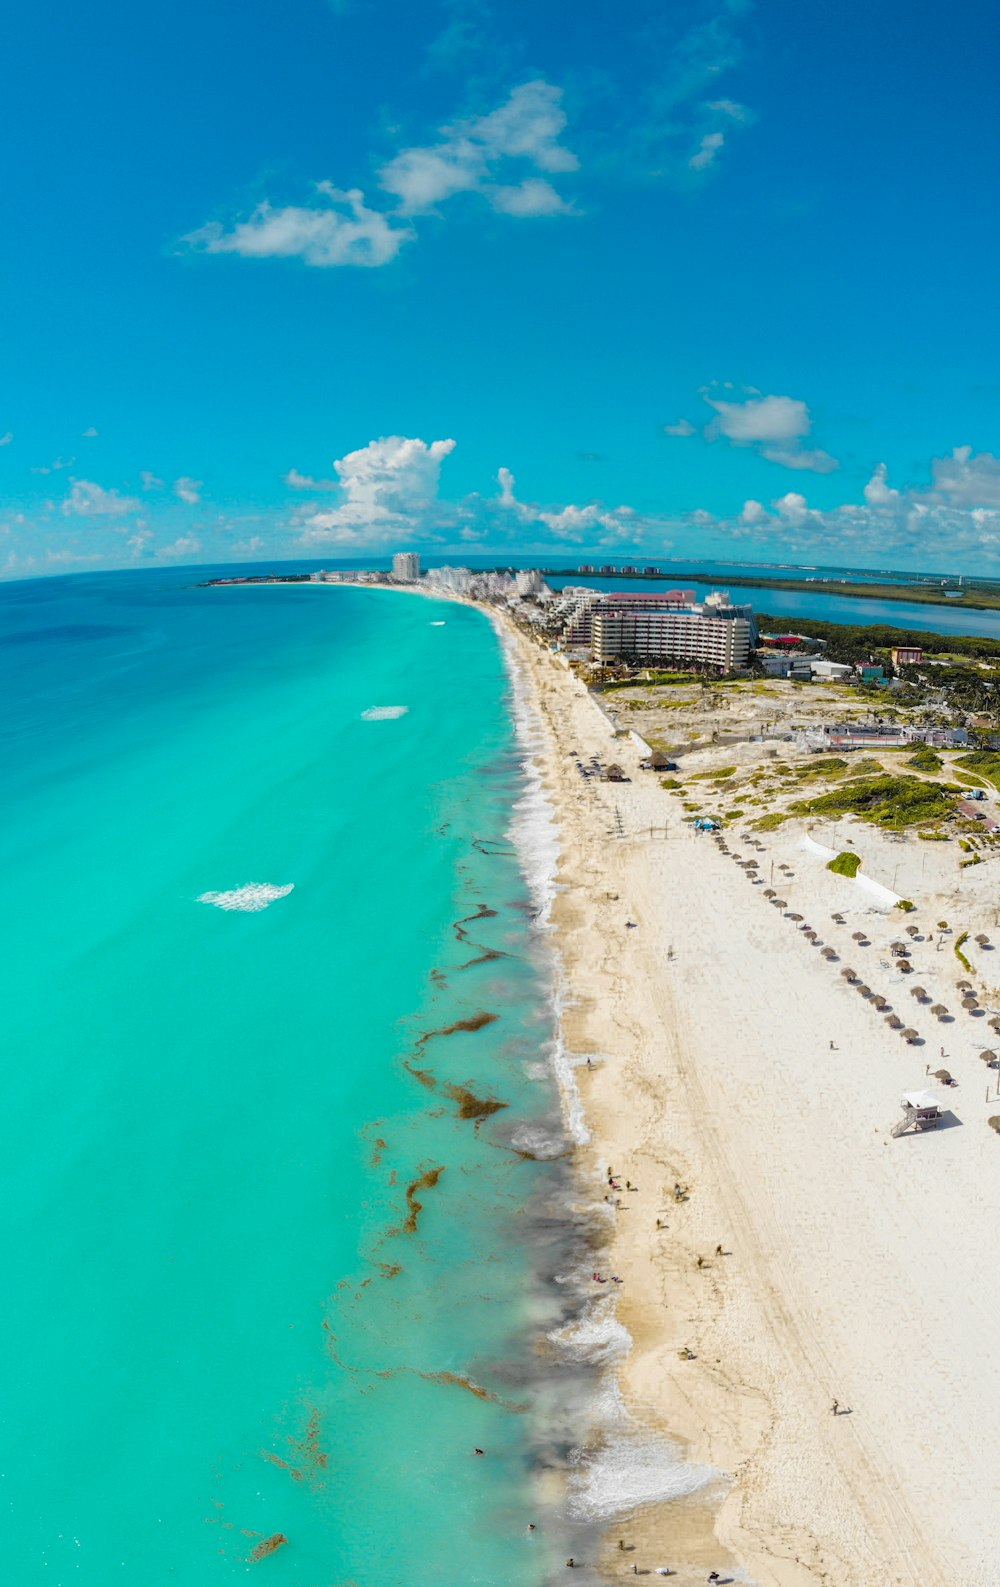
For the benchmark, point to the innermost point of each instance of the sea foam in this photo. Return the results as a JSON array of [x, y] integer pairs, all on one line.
[[383, 713], [249, 898]]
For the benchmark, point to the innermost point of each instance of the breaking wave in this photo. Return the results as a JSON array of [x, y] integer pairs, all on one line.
[[249, 898], [383, 713]]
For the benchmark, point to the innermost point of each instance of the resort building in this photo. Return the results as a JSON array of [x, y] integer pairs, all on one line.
[[718, 635], [906, 655], [406, 567]]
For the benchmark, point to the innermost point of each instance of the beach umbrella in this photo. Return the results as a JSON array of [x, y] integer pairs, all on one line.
[[913, 931], [779, 903], [857, 936], [970, 1002], [989, 1056], [829, 953], [964, 986], [792, 916], [809, 934], [768, 892], [849, 974], [939, 1009], [865, 991], [917, 991], [995, 1023], [994, 1123], [896, 946], [909, 1034], [880, 1002], [943, 1075], [982, 939], [838, 918], [905, 968], [894, 1022]]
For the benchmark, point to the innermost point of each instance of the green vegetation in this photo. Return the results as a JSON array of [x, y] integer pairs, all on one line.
[[822, 766], [906, 905], [960, 956], [886, 801], [934, 837], [984, 764], [771, 822], [926, 760], [846, 864], [977, 859], [722, 775], [670, 782], [854, 642]]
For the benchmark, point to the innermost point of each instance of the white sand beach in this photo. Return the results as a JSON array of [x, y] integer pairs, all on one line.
[[857, 1266]]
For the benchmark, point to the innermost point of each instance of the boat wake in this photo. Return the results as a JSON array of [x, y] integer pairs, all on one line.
[[250, 898], [383, 713]]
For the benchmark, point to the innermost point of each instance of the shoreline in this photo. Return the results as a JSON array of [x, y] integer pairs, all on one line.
[[812, 1258]]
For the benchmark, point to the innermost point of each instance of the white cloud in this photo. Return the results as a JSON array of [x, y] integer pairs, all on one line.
[[87, 500], [184, 546], [297, 481], [140, 541], [388, 486], [90, 433], [149, 481], [526, 127], [682, 427], [533, 196], [761, 419], [774, 426], [189, 490], [593, 524], [953, 519], [478, 155], [877, 492], [708, 151], [247, 548], [340, 231]]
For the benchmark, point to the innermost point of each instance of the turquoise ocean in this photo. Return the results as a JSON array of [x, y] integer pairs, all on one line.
[[281, 1183]]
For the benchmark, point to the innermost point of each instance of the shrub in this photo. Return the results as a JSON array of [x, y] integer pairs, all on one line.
[[845, 864], [770, 822], [960, 956], [906, 904], [670, 782], [934, 837], [925, 760], [886, 801]]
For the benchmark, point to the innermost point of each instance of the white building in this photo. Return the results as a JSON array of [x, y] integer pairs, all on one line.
[[406, 567], [692, 633]]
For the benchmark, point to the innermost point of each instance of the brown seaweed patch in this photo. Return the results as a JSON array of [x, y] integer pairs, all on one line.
[[486, 957], [390, 1269], [268, 1545], [484, 912], [311, 1454], [473, 1023], [472, 1107], [276, 1460], [426, 1181], [380, 1147], [424, 1076]]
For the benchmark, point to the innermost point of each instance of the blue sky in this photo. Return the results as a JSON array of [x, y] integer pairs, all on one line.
[[316, 278]]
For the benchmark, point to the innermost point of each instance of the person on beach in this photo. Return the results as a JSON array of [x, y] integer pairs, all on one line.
[[719, 1251], [571, 1562], [615, 1279], [701, 1261], [661, 1225], [835, 1408], [714, 1576], [479, 1451]]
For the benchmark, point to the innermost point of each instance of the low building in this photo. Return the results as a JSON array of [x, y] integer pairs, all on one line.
[[829, 670], [870, 673], [906, 655]]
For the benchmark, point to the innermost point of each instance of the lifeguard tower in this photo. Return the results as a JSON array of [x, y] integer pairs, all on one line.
[[921, 1111]]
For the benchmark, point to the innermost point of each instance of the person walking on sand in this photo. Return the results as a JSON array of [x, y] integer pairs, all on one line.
[[719, 1251], [835, 1408]]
